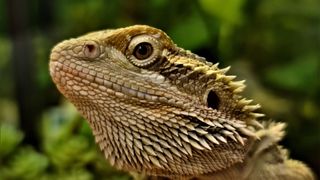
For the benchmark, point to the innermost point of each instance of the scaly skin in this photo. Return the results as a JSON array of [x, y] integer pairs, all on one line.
[[157, 109]]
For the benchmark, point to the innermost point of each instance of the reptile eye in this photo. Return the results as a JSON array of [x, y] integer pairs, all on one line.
[[143, 50], [91, 50]]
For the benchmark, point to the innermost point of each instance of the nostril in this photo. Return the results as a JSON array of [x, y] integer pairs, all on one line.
[[90, 47], [91, 50], [213, 100]]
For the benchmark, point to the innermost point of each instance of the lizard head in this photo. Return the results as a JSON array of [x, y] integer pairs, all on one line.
[[154, 107]]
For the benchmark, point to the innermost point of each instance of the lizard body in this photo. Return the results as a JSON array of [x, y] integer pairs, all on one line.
[[157, 109]]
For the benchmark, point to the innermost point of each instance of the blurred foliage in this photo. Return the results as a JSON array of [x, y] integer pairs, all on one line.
[[272, 44], [10, 138]]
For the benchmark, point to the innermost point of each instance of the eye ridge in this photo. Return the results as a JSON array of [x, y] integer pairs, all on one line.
[[143, 50]]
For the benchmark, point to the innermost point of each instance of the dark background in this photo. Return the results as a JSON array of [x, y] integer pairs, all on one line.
[[274, 45]]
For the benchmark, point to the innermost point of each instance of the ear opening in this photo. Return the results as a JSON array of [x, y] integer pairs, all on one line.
[[213, 100]]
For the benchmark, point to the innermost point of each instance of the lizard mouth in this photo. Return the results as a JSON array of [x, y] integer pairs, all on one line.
[[70, 78]]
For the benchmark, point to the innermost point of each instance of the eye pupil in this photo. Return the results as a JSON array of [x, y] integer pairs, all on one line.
[[143, 50]]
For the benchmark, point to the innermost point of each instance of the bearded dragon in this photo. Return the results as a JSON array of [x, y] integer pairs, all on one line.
[[157, 109]]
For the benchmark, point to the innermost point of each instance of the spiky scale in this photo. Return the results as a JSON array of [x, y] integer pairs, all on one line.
[[183, 150], [219, 77], [238, 124], [226, 132], [221, 138], [187, 146], [211, 72], [138, 144], [157, 147], [229, 78], [244, 101], [229, 127], [257, 115], [201, 131], [215, 66], [232, 137], [238, 90], [247, 132], [177, 140], [236, 84], [212, 139], [251, 107], [195, 144], [149, 150], [239, 138], [175, 151], [204, 143], [190, 126], [144, 133], [168, 154], [201, 68], [184, 130], [255, 123], [194, 136], [145, 155], [173, 143], [174, 132], [136, 135], [184, 137], [218, 124], [210, 123], [164, 143], [162, 158], [225, 70]]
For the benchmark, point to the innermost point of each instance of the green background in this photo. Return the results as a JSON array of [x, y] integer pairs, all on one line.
[[274, 45]]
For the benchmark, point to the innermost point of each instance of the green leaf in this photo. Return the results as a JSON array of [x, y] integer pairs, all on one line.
[[10, 137], [181, 32], [300, 75], [227, 11], [26, 164]]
